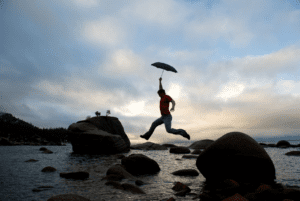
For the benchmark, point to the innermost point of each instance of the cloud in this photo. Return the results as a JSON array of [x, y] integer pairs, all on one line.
[[6, 68], [166, 13], [87, 3], [233, 30], [230, 90], [185, 55], [286, 59], [107, 31], [288, 87], [123, 62], [134, 108]]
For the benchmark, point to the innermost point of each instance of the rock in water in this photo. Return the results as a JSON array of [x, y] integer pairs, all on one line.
[[236, 156], [149, 146], [201, 144], [99, 135], [139, 164]]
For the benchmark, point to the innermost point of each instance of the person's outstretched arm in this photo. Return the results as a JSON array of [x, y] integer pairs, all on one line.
[[160, 86]]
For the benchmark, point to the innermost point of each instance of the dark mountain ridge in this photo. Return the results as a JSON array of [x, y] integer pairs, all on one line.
[[18, 130]]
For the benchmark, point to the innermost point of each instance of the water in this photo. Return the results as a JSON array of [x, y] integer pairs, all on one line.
[[18, 178]]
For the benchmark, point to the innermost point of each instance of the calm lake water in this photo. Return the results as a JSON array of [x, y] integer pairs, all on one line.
[[18, 178]]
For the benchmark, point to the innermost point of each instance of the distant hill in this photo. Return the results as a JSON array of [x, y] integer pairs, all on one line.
[[17, 129], [10, 119]]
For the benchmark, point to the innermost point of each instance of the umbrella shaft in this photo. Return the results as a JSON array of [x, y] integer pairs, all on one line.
[[162, 73]]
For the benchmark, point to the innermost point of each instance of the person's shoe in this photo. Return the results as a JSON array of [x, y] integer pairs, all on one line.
[[142, 136], [184, 134]]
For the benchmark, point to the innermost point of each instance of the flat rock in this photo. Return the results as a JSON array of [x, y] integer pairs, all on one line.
[[149, 146], [74, 175], [139, 164], [201, 144], [180, 150], [68, 197], [186, 172], [169, 145], [47, 152], [45, 187], [293, 153], [236, 156], [189, 156], [48, 169], [31, 160]]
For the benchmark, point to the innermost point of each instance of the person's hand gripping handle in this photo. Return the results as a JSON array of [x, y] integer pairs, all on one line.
[[160, 85]]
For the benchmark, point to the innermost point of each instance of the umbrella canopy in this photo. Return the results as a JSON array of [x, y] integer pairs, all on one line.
[[164, 67]]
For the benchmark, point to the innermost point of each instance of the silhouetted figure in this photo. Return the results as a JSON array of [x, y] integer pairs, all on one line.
[[166, 117], [98, 114]]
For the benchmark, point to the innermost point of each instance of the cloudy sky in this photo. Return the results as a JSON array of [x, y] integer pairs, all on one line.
[[237, 61]]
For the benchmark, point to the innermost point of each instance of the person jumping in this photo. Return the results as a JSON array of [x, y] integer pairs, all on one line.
[[166, 117]]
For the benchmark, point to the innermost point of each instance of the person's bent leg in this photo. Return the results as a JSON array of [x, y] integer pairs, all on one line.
[[168, 121], [156, 123]]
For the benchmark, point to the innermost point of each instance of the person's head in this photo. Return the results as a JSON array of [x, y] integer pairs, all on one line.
[[161, 92]]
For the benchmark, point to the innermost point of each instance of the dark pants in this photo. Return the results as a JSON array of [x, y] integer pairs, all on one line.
[[167, 120]]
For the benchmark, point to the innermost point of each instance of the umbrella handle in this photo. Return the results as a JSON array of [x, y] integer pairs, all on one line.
[[162, 73]]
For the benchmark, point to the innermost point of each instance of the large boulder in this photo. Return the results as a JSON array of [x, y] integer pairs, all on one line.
[[236, 156], [98, 135], [201, 144], [139, 164], [149, 146]]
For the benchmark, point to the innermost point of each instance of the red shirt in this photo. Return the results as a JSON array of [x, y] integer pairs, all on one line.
[[164, 104]]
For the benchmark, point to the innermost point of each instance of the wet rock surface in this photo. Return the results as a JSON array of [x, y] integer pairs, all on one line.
[[237, 156]]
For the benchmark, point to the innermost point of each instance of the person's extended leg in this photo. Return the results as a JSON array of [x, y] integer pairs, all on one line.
[[156, 123], [168, 120]]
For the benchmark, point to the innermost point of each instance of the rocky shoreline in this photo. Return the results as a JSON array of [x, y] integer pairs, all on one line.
[[225, 190], [4, 141]]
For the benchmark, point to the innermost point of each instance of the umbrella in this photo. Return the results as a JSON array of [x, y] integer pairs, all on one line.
[[164, 67]]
